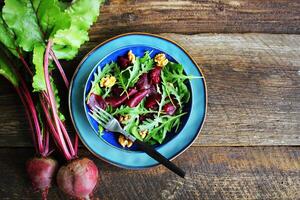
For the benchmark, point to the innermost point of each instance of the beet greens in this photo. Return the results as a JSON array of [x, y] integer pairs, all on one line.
[[39, 33]]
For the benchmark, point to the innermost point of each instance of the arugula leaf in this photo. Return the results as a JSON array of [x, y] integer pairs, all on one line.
[[98, 75], [146, 62], [7, 72], [67, 41], [159, 133], [20, 17], [39, 83], [7, 37], [133, 74]]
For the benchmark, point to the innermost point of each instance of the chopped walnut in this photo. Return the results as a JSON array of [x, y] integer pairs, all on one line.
[[143, 133], [124, 119], [131, 56], [124, 142], [161, 60], [107, 81]]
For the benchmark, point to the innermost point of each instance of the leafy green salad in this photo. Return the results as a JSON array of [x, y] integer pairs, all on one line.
[[147, 95]]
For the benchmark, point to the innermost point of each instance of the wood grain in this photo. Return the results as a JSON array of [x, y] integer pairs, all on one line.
[[197, 16], [212, 173], [253, 90]]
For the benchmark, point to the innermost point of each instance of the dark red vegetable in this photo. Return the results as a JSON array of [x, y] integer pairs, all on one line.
[[155, 75], [117, 101], [123, 62], [116, 91], [143, 82], [137, 98], [152, 101], [169, 108], [146, 116], [41, 171], [96, 100], [79, 178]]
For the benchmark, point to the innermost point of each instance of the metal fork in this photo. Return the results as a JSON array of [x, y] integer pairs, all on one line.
[[110, 123]]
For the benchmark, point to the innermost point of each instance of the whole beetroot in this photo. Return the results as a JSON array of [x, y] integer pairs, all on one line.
[[41, 171], [79, 178]]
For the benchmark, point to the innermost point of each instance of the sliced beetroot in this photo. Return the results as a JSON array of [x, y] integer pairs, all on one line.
[[123, 62], [116, 91], [169, 108], [40, 172], [143, 82], [137, 98], [152, 90], [96, 100], [117, 101], [146, 116], [78, 179], [152, 101], [155, 75]]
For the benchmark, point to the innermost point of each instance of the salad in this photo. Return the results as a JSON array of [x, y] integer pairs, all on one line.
[[147, 95]]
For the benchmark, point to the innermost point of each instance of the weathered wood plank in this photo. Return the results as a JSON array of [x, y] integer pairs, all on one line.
[[212, 173], [253, 89], [194, 16]]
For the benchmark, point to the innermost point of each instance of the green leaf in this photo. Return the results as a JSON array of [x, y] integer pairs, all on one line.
[[50, 16], [7, 72], [133, 74], [7, 37], [57, 99], [38, 83], [20, 17], [83, 14]]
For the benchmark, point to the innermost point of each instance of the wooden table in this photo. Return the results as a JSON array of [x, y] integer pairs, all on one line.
[[249, 52]]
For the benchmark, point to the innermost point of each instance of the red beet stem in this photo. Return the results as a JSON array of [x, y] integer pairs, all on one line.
[[62, 73], [52, 102], [24, 62]]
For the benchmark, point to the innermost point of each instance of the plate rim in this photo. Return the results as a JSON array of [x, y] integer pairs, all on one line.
[[107, 41]]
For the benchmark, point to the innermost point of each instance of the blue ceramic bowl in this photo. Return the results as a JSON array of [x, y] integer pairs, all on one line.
[[106, 146]]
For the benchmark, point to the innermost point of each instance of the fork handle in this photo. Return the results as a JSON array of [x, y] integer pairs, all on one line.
[[160, 158]]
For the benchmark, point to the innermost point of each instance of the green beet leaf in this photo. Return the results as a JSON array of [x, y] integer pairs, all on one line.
[[50, 16], [7, 37], [83, 14], [20, 17], [38, 83], [6, 70]]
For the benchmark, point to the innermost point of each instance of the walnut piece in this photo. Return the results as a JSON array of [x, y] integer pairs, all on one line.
[[143, 133], [161, 60], [124, 142], [131, 56], [107, 81]]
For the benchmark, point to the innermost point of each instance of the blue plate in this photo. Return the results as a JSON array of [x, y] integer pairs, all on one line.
[[106, 147]]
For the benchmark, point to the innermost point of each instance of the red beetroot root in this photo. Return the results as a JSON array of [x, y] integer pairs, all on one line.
[[79, 178], [41, 172]]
